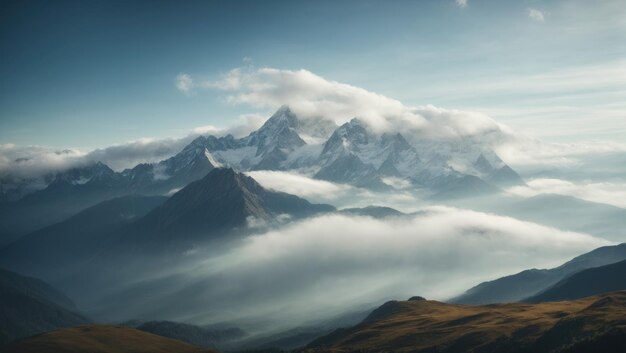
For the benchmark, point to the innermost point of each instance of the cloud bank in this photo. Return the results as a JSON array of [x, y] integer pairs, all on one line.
[[35, 161], [339, 195], [312, 96], [32, 161], [319, 267]]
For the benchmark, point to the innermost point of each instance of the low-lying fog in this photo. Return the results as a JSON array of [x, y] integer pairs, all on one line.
[[328, 265]]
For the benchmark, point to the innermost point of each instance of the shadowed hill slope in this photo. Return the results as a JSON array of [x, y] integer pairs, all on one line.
[[588, 282], [522, 285], [29, 306]]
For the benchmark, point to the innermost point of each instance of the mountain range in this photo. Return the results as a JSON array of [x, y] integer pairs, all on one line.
[[352, 153]]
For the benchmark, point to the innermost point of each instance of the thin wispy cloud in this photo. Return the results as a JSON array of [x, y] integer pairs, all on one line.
[[184, 83], [461, 3], [582, 102], [536, 15], [610, 193]]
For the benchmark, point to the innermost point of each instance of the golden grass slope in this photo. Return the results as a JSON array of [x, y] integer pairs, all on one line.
[[100, 339], [431, 326]]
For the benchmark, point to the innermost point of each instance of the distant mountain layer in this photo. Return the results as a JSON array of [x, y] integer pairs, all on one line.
[[527, 283], [51, 251], [585, 283], [373, 211], [429, 326], [100, 339], [29, 306], [559, 211]]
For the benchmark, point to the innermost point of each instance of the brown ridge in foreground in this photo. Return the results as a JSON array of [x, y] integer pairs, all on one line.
[[593, 324], [100, 339]]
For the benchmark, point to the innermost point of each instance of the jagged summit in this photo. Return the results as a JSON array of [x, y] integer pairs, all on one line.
[[346, 138], [285, 115], [87, 174], [490, 167], [278, 132], [482, 165]]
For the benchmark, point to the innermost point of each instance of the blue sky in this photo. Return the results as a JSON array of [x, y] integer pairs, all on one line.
[[90, 74]]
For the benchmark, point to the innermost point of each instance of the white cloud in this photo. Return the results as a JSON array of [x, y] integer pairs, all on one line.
[[461, 3], [536, 15], [319, 267], [246, 124], [314, 97], [301, 185], [603, 192], [229, 81], [397, 183], [34, 160], [184, 83], [339, 195]]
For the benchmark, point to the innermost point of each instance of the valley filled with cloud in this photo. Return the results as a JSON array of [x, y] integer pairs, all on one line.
[[462, 151]]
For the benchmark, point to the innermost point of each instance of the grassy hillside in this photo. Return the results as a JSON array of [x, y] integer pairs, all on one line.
[[100, 339], [430, 326]]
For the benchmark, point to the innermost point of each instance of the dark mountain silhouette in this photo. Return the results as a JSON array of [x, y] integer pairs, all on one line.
[[529, 282], [457, 186], [54, 251], [585, 283], [29, 306], [222, 201]]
